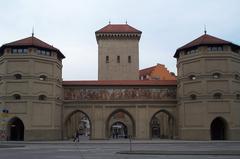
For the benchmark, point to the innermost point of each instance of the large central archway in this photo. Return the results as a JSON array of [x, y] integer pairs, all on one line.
[[15, 129], [219, 129], [78, 121], [162, 125], [120, 124]]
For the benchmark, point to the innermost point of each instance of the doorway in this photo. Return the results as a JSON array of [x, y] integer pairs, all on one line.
[[16, 130], [219, 129]]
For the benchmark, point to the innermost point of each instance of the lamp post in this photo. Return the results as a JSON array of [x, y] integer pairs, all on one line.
[[4, 116], [130, 143]]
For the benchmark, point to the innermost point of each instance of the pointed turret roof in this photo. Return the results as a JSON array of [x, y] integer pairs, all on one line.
[[203, 40], [32, 41]]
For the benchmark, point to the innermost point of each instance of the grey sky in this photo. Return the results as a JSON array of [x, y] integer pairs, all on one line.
[[70, 25]]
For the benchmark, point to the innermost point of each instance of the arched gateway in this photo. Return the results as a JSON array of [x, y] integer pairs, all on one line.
[[78, 121], [120, 124], [219, 129], [162, 125]]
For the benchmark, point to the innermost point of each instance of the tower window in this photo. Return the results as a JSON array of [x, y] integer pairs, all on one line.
[[107, 59], [18, 76], [238, 96], [17, 96], [129, 59], [193, 51], [44, 52], [42, 97], [216, 75], [193, 96], [42, 78], [217, 96], [19, 51], [118, 59], [192, 77], [215, 48], [237, 77], [14, 51]]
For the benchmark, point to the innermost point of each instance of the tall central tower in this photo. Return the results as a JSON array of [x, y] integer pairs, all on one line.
[[118, 52]]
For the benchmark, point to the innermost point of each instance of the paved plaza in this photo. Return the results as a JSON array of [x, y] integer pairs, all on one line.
[[120, 149]]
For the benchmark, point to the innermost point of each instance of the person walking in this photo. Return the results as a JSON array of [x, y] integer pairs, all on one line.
[[76, 137]]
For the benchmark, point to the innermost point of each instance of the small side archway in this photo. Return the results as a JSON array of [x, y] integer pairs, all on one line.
[[218, 129], [120, 124], [78, 121], [162, 125], [15, 129]]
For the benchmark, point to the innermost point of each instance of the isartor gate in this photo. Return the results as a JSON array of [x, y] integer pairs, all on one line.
[[141, 110]]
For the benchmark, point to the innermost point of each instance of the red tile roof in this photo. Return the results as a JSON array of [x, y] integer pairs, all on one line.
[[146, 71], [122, 83], [203, 40], [118, 28], [33, 41]]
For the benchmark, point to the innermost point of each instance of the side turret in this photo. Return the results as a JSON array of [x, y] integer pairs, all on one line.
[[31, 89], [208, 89]]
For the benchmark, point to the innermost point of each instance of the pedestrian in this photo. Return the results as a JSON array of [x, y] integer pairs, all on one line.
[[76, 137]]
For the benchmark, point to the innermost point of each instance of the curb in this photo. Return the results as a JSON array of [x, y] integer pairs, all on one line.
[[10, 146], [230, 152]]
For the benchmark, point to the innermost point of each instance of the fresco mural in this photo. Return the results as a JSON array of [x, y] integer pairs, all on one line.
[[119, 93]]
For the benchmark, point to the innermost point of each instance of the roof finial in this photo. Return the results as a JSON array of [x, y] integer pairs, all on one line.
[[126, 21], [33, 31], [205, 29], [109, 22]]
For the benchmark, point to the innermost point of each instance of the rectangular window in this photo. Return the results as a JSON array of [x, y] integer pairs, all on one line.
[[14, 51], [215, 48], [118, 59], [129, 59], [107, 59], [48, 53], [44, 52], [19, 51], [25, 51]]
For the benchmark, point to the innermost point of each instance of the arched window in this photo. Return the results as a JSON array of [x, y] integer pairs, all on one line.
[[193, 96], [237, 77], [42, 97], [192, 77], [17, 96], [237, 96], [18, 76], [42, 78], [216, 75], [217, 95]]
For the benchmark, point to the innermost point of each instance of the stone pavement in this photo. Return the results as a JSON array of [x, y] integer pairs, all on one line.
[[120, 149]]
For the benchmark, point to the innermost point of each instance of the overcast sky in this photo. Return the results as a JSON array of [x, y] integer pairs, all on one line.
[[70, 26]]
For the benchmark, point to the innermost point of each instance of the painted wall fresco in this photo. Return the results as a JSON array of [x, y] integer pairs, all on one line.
[[86, 94]]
